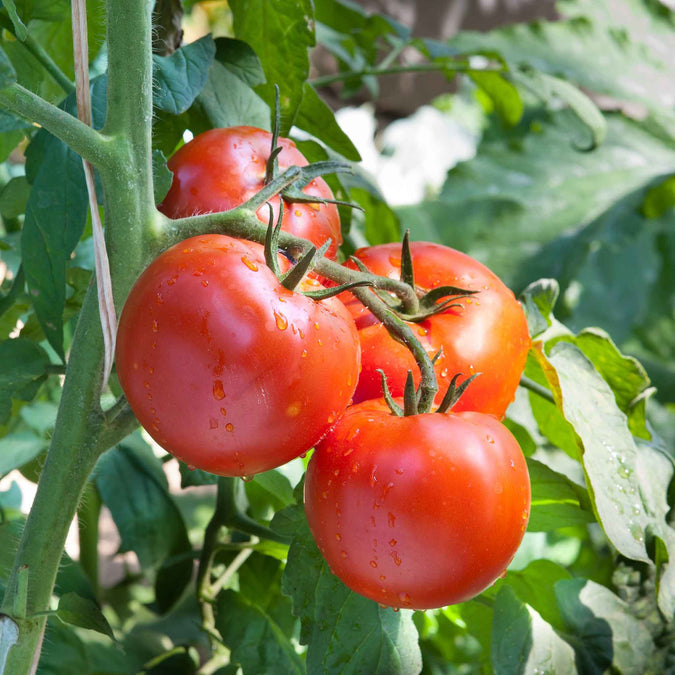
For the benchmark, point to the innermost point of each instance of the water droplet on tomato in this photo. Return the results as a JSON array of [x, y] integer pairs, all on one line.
[[316, 325], [399, 471], [386, 489], [373, 564], [392, 542], [525, 514], [249, 263], [395, 609], [223, 412], [395, 558], [391, 519], [395, 261], [422, 331], [338, 537], [191, 467], [247, 479], [149, 396], [229, 426], [159, 299], [218, 390], [382, 577], [343, 554], [198, 273], [298, 213], [304, 354], [489, 439], [404, 598], [146, 385], [347, 452], [373, 477], [372, 521], [294, 409], [172, 280], [213, 423], [281, 321], [205, 283], [512, 464], [155, 325], [444, 372], [502, 574]]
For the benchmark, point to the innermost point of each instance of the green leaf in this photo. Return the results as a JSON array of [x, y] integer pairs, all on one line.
[[20, 29], [316, 117], [588, 113], [257, 643], [628, 44], [502, 93], [522, 642], [556, 500], [604, 632], [344, 631], [13, 197], [7, 72], [56, 214], [538, 301], [191, 477], [281, 34], [180, 77], [240, 59], [659, 199], [609, 451], [133, 487], [18, 449], [227, 101], [23, 366], [161, 175], [83, 612]]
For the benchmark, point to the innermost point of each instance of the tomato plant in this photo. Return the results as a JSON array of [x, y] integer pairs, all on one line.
[[222, 168], [419, 511], [227, 369], [484, 333]]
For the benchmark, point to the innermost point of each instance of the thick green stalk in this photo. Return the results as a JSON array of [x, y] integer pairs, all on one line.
[[70, 460], [85, 141]]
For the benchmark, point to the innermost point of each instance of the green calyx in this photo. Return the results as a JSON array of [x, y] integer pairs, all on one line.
[[411, 394]]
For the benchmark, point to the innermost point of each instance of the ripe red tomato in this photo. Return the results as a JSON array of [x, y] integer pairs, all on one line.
[[421, 511], [225, 368], [222, 168], [487, 333]]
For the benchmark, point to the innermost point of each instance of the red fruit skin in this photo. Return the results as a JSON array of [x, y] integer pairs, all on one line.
[[417, 512], [225, 368], [486, 333], [222, 168]]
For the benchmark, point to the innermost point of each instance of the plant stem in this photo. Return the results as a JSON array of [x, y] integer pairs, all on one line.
[[70, 460], [85, 141], [537, 388], [88, 513]]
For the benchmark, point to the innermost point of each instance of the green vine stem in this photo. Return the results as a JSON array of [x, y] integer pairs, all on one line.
[[536, 388]]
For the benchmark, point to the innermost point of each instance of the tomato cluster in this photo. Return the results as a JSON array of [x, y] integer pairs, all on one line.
[[234, 372]]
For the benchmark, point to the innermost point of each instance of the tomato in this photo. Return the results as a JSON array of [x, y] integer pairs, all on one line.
[[225, 368], [222, 168], [421, 511], [485, 333]]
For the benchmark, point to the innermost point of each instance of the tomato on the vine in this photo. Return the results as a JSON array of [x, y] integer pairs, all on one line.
[[224, 367], [420, 511], [222, 168], [484, 333]]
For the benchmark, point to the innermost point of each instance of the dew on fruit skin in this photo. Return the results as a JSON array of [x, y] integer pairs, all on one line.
[[338, 537], [395, 609], [525, 514], [218, 390], [512, 464], [391, 519], [373, 477], [398, 471], [223, 412], [155, 325], [294, 409], [205, 283], [373, 563], [372, 521], [392, 542], [422, 331], [386, 489], [149, 396], [489, 439], [404, 598], [343, 554], [393, 260], [247, 479], [249, 263], [159, 299], [304, 354], [502, 574], [301, 333], [395, 558], [229, 426], [281, 320], [146, 385], [382, 577], [213, 423]]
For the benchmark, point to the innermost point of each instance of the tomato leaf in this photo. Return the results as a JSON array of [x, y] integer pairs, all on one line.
[[23, 366], [281, 34], [538, 301], [240, 59], [257, 643], [344, 631], [556, 500], [83, 612], [18, 449], [502, 93], [161, 175], [133, 487], [601, 628], [316, 118], [522, 642], [181, 76]]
